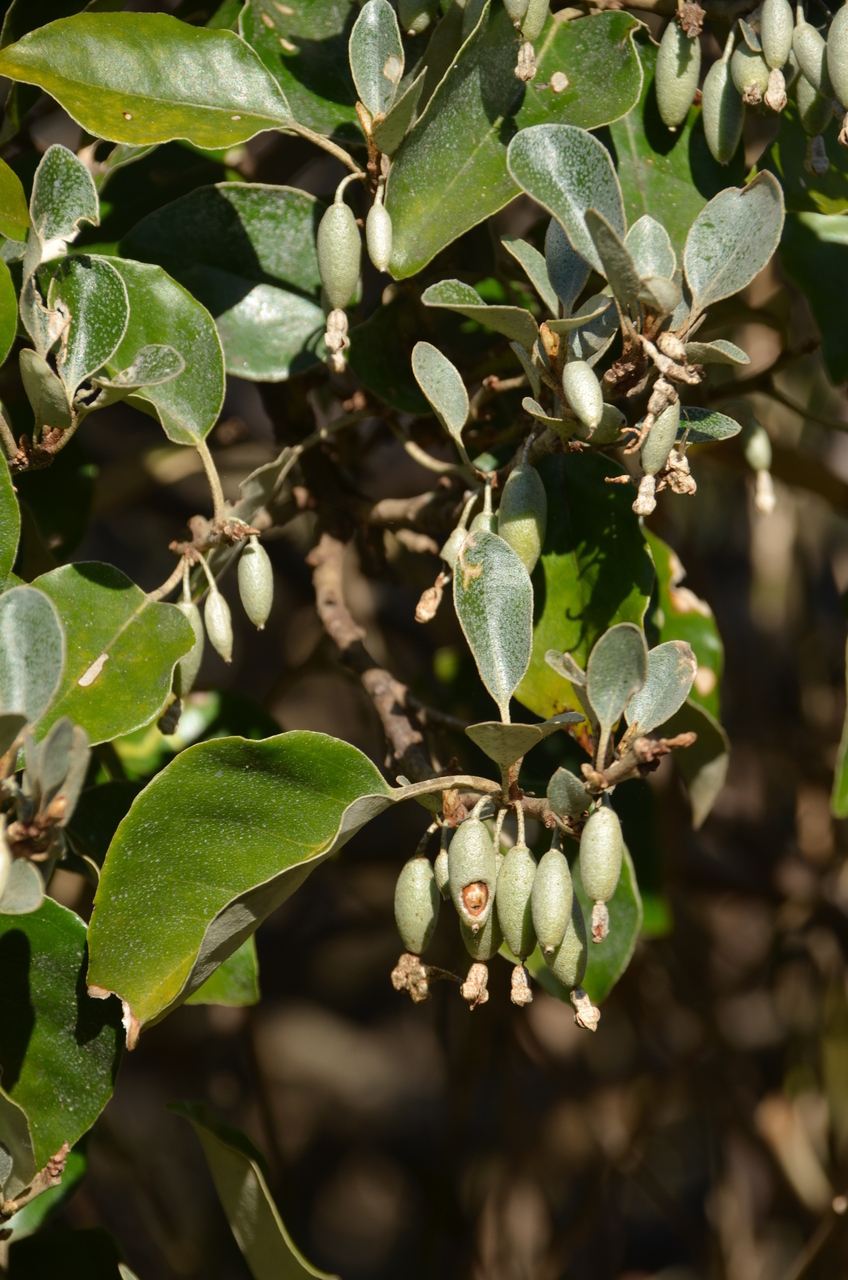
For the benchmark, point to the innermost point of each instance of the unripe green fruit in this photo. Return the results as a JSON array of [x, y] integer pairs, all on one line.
[[583, 392], [750, 73], [440, 871], [723, 112], [661, 438], [450, 550], [189, 665], [486, 942], [339, 254], [534, 19], [516, 10], [813, 110], [568, 962], [608, 429], [678, 68], [487, 520], [757, 447], [810, 49], [473, 873], [550, 899], [219, 624], [256, 583], [523, 514], [415, 16], [417, 905], [515, 916], [601, 852], [837, 54], [378, 236], [776, 27]]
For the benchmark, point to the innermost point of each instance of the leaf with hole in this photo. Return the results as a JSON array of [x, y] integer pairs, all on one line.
[[91, 298], [494, 603], [732, 239], [671, 671], [376, 56], [442, 384], [32, 652], [515, 323], [618, 667]]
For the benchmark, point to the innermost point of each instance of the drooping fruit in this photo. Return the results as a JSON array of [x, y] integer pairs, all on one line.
[[473, 873], [256, 583], [676, 78], [339, 250], [583, 392], [523, 514], [417, 904], [550, 899], [515, 915]]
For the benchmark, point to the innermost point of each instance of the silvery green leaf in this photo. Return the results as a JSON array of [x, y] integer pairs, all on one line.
[[494, 603], [720, 351], [565, 666], [671, 670], [154, 364], [595, 335], [536, 269], [567, 271], [32, 652], [63, 196], [567, 171], [750, 36], [23, 891], [515, 323], [506, 743], [92, 299], [528, 367], [703, 426], [703, 766], [376, 56], [591, 310], [562, 426], [388, 133], [443, 386], [651, 249], [732, 239], [618, 667], [567, 795], [44, 391], [660, 295], [616, 262]]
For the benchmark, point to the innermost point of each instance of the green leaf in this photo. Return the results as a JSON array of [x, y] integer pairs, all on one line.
[[389, 133], [92, 299], [597, 324], [237, 1171], [162, 311], [804, 191], [23, 891], [515, 323], [122, 649], [681, 615], [45, 392], [208, 87], [618, 667], [618, 266], [10, 523], [650, 247], [567, 171], [55, 1041], [173, 903], [8, 312], [31, 1217], [376, 56], [63, 196], [90, 1254], [667, 175], [235, 982], [536, 268], [32, 652], [564, 428], [442, 384], [731, 240], [671, 670], [814, 254], [305, 49], [152, 366], [506, 743], [594, 571], [14, 214], [494, 603], [96, 818], [568, 272], [839, 793], [705, 426], [702, 766], [247, 253], [718, 352], [567, 794], [379, 355], [450, 172]]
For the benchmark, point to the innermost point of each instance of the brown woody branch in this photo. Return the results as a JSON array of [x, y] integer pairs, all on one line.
[[641, 756], [49, 1176]]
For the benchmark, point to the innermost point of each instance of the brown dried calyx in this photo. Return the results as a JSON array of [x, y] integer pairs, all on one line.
[[691, 18], [475, 896]]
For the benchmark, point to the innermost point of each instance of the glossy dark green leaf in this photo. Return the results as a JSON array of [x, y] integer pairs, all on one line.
[[121, 649], [89, 1254], [234, 983], [493, 598], [705, 426], [247, 253], [516, 323], [10, 523], [30, 1219], [32, 652], [381, 356], [305, 48], [450, 172], [389, 133], [163, 311], [55, 1041], [681, 615], [702, 766], [173, 903], [671, 670], [617, 669], [63, 196], [92, 299], [14, 214], [594, 571], [814, 254], [376, 56], [237, 1171], [670, 176], [206, 86]]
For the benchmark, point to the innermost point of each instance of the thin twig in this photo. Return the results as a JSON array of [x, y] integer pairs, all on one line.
[[423, 458], [168, 586], [431, 715], [325, 144], [219, 512]]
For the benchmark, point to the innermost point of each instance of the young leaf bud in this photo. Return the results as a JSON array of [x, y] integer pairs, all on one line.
[[415, 16], [601, 853], [440, 871], [550, 899], [339, 254], [523, 514], [473, 873], [568, 961], [417, 905], [776, 27], [515, 885], [676, 79], [534, 19], [219, 624], [486, 942], [256, 583], [750, 74], [810, 49], [378, 236], [583, 392], [723, 110], [813, 110], [189, 664], [661, 438]]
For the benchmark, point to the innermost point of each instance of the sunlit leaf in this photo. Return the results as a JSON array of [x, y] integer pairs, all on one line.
[[618, 667], [732, 239], [10, 523], [32, 652], [92, 299], [376, 56], [234, 983], [671, 670], [516, 323]]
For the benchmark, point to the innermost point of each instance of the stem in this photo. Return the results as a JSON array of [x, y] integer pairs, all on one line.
[[423, 458], [345, 182], [218, 501], [519, 814], [168, 586], [499, 821], [9, 443], [325, 144], [209, 578], [425, 839]]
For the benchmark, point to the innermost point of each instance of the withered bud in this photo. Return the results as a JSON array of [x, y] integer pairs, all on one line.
[[520, 992], [473, 988]]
